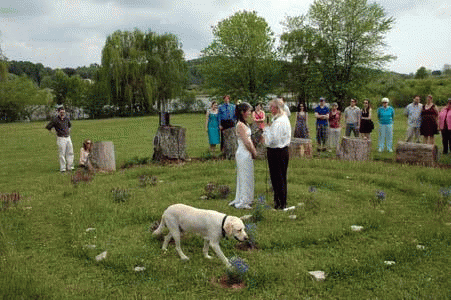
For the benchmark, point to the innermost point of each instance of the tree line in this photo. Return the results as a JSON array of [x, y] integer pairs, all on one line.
[[336, 50]]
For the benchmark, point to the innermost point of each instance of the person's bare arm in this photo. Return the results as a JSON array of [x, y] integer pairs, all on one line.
[[241, 129]]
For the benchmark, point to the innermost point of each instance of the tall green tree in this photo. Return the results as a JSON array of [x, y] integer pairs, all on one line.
[[422, 73], [241, 60], [301, 70], [142, 69], [348, 39], [20, 96]]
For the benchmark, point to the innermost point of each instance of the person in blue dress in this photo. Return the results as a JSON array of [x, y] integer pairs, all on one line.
[[212, 126]]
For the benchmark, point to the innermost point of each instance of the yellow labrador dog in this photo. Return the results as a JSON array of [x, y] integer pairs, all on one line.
[[210, 224]]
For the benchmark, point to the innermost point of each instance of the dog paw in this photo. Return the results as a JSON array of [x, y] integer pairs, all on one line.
[[208, 256], [186, 258]]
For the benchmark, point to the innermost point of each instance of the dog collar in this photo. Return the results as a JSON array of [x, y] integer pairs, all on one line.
[[222, 226]]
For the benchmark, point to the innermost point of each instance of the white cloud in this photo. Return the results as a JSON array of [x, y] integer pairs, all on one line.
[[72, 32]]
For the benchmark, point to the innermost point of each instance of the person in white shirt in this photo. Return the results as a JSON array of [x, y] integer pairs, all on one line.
[[286, 109], [413, 113], [277, 138]]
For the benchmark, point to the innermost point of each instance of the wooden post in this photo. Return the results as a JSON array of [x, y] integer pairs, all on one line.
[[354, 149], [230, 142], [102, 156], [169, 143], [301, 148], [413, 153]]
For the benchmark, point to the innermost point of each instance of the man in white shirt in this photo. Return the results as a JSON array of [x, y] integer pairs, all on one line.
[[277, 138], [413, 113]]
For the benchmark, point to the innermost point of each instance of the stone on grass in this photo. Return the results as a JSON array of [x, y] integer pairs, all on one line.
[[389, 262], [139, 269], [90, 229], [101, 256], [90, 246], [204, 197], [300, 204], [289, 208], [421, 247], [318, 275], [356, 228], [293, 217], [246, 217]]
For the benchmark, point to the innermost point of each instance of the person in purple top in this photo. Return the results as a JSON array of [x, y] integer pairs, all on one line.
[[226, 117], [322, 124], [62, 126]]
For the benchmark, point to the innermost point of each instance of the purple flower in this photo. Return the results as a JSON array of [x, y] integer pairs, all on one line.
[[445, 192], [239, 265], [312, 189], [380, 195]]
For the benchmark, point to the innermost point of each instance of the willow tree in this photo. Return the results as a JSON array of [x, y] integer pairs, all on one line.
[[347, 37], [142, 69], [241, 60]]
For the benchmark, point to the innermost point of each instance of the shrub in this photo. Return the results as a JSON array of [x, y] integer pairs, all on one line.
[[135, 161], [7, 199], [120, 195], [214, 191], [257, 214], [81, 176], [145, 180]]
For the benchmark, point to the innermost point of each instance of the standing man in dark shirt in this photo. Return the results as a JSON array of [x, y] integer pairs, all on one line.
[[226, 116], [62, 125]]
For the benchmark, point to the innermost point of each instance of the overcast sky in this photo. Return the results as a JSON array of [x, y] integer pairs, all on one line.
[[72, 33]]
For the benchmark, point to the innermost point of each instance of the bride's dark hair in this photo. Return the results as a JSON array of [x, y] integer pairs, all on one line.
[[240, 109]]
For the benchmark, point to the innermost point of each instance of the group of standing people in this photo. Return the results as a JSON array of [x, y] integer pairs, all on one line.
[[426, 120], [422, 120], [328, 123]]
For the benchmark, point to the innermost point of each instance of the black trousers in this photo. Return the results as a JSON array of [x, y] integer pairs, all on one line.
[[446, 140], [278, 166], [225, 124]]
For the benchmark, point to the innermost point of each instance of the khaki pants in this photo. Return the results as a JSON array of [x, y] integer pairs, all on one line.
[[65, 153], [413, 133]]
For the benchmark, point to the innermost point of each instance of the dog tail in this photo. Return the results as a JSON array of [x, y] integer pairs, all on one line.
[[160, 228]]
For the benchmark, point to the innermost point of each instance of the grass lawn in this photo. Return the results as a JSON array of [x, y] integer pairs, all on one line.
[[46, 251]]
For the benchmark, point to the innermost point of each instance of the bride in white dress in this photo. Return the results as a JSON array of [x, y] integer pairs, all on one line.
[[244, 156]]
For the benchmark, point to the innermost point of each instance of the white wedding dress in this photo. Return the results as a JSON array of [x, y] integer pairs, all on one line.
[[245, 175]]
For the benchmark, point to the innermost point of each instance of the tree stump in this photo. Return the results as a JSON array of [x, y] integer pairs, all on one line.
[[169, 143], [414, 153], [230, 142], [301, 148], [354, 149], [102, 157]]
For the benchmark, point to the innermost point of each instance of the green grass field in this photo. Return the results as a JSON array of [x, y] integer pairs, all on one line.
[[45, 249]]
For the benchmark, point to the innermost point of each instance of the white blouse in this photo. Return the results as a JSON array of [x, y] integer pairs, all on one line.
[[278, 135]]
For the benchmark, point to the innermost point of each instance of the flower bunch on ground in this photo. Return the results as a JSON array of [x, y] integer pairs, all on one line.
[[238, 270], [378, 198]]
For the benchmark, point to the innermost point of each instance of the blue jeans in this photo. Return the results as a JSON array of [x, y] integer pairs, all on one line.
[[385, 136], [321, 134], [352, 127]]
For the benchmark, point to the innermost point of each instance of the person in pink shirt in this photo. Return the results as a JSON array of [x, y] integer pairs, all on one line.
[[258, 116], [444, 123]]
